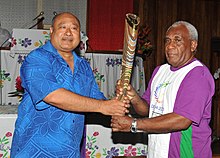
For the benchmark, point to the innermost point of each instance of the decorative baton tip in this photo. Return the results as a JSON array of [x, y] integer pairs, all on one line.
[[133, 20]]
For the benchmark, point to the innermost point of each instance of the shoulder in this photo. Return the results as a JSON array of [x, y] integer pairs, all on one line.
[[82, 61], [37, 56], [200, 71], [45, 53], [200, 76], [160, 67]]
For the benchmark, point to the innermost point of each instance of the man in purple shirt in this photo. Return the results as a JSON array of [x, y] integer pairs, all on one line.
[[177, 101]]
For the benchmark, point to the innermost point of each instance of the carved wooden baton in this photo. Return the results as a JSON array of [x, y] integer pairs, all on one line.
[[132, 22]]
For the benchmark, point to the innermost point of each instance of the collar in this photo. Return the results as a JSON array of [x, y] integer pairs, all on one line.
[[177, 68], [50, 48]]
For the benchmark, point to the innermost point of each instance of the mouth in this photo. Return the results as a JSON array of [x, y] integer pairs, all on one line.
[[170, 54], [67, 39]]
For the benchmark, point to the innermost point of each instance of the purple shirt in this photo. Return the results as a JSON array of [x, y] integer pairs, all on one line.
[[193, 101]]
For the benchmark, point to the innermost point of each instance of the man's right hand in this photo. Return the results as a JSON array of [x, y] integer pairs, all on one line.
[[130, 93], [114, 107]]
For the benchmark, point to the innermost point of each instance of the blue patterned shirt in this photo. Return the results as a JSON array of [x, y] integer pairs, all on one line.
[[43, 130]]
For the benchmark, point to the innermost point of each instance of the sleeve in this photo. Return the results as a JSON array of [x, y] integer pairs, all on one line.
[[38, 77], [194, 96], [96, 93]]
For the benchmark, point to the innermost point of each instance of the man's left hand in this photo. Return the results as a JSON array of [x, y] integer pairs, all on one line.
[[121, 123]]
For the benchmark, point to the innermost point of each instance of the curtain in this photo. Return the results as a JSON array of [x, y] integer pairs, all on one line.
[[106, 20]]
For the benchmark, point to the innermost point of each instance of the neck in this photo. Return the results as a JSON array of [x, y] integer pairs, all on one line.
[[67, 56], [190, 59]]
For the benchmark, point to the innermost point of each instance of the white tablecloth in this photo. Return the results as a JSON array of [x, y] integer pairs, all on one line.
[[100, 141], [6, 132]]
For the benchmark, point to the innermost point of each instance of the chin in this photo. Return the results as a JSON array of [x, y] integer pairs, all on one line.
[[171, 63]]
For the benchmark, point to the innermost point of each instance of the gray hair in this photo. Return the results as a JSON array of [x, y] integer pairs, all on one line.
[[193, 33]]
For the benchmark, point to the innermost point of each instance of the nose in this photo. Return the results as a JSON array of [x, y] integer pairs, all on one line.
[[68, 32], [171, 44]]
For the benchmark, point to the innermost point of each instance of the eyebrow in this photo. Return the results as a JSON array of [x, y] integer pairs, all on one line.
[[175, 36], [75, 23]]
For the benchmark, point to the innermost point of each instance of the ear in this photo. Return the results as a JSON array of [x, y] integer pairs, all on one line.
[[51, 30], [194, 44]]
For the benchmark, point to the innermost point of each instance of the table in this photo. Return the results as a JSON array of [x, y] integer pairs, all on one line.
[[6, 132]]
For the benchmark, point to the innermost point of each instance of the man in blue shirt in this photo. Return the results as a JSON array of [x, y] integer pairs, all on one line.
[[59, 86]]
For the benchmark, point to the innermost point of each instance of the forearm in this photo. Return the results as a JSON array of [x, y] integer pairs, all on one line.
[[69, 101], [163, 124], [140, 105]]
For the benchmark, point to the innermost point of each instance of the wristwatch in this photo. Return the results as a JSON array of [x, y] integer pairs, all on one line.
[[134, 126]]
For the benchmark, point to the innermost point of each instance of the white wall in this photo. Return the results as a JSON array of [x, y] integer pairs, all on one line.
[[20, 13]]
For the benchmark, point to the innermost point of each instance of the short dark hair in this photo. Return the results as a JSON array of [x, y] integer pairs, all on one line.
[[57, 15]]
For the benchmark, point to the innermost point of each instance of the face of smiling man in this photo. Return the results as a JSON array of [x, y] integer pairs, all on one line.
[[179, 48], [65, 33]]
